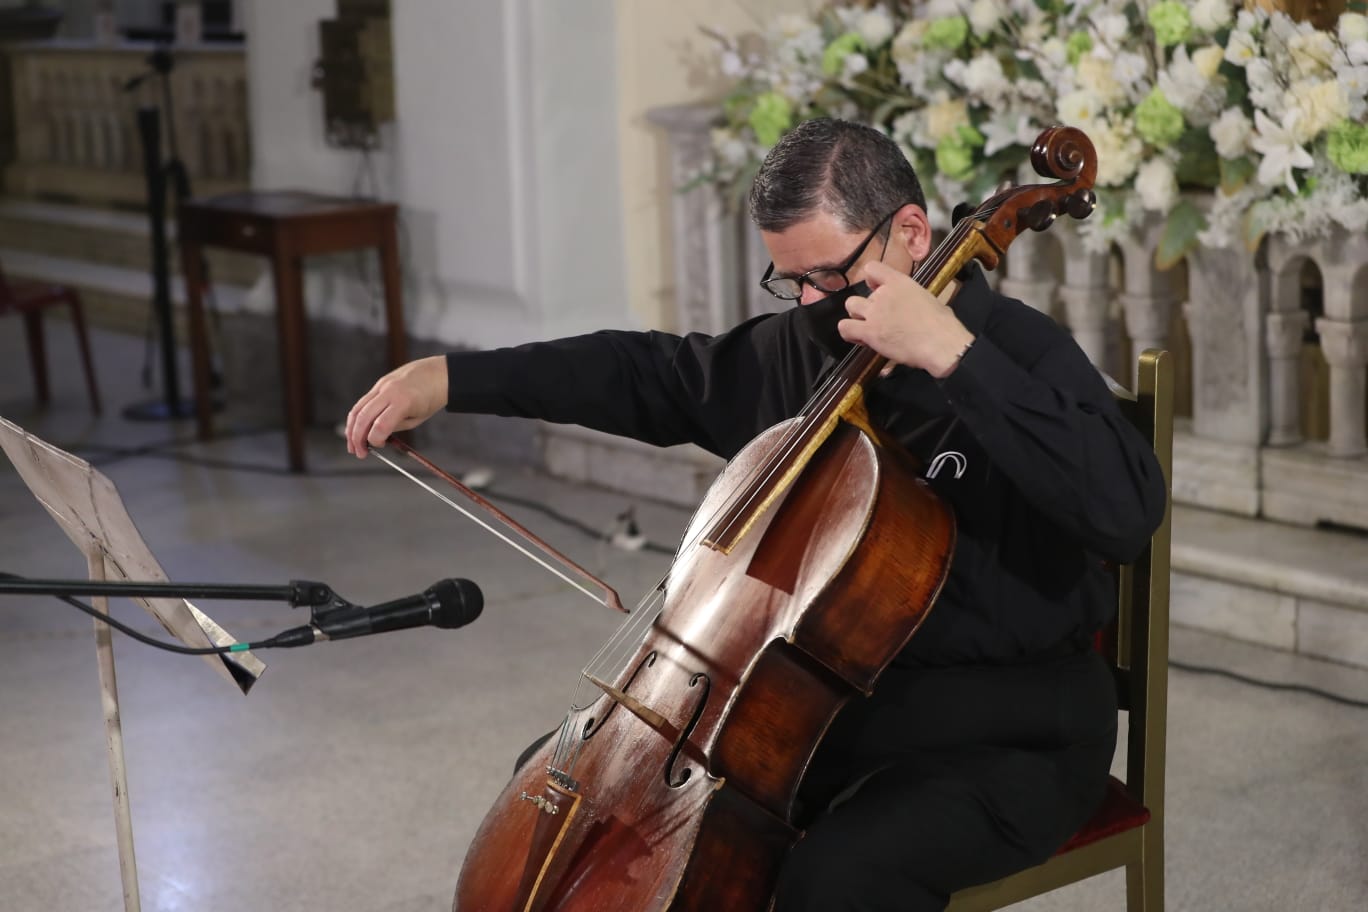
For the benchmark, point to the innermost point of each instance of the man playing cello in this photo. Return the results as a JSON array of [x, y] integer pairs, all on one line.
[[987, 742]]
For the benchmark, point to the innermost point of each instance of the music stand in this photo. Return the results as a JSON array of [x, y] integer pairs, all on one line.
[[89, 510]]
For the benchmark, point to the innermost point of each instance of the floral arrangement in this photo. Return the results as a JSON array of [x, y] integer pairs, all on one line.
[[1268, 115]]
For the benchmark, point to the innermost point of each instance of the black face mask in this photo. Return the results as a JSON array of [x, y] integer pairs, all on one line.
[[818, 320]]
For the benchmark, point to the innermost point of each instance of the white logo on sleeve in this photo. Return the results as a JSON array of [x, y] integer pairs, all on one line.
[[961, 464]]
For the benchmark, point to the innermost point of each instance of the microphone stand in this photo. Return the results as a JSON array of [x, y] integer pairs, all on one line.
[[298, 593], [157, 174]]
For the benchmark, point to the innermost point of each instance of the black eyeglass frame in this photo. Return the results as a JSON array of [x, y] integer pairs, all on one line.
[[841, 270]]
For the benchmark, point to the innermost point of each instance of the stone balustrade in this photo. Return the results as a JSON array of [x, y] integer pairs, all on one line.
[[76, 128], [1242, 450]]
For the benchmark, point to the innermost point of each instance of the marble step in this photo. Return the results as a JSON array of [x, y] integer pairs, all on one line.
[[113, 297], [1299, 589], [106, 237]]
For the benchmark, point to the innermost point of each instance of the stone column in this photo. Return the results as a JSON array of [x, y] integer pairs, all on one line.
[[1345, 345], [706, 242], [1285, 332], [1027, 274], [1086, 294]]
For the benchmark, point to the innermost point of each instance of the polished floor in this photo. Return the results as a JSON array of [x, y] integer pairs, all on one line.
[[353, 776]]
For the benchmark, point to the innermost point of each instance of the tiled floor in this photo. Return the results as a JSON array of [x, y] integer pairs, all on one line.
[[354, 774]]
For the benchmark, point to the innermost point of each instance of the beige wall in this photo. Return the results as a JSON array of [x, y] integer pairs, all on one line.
[[664, 59]]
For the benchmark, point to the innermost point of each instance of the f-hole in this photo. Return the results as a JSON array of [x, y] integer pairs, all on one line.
[[670, 761], [590, 727]]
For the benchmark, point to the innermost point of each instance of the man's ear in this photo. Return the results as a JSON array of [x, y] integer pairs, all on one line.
[[912, 231]]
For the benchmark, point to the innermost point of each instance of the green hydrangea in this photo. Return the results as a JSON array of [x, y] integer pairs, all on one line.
[[771, 117], [955, 153], [1079, 43], [1171, 22], [1157, 120], [833, 58], [1348, 147], [947, 33]]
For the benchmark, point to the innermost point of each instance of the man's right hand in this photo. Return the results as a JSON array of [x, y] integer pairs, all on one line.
[[402, 399]]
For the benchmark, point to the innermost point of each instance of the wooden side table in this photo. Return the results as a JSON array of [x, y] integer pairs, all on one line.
[[286, 226]]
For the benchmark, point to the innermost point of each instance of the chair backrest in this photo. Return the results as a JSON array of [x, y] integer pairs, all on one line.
[[1136, 643]]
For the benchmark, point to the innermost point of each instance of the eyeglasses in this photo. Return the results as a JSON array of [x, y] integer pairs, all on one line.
[[828, 279]]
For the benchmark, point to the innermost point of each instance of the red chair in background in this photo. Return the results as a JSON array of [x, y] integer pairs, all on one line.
[[29, 298]]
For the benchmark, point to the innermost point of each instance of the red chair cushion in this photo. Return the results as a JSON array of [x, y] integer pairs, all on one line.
[[1119, 812]]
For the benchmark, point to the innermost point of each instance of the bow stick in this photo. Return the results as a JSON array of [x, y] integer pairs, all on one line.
[[549, 557]]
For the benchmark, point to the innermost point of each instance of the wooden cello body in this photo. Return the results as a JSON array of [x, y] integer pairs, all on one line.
[[835, 579], [812, 561]]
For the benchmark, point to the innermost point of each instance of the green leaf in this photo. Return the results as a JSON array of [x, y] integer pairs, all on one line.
[[1179, 235], [1253, 229], [1235, 173], [1198, 163]]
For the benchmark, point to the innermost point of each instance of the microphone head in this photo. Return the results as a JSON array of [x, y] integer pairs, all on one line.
[[459, 601]]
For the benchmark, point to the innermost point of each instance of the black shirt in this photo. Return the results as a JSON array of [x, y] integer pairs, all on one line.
[[1024, 440]]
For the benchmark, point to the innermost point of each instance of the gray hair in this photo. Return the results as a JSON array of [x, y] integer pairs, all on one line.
[[849, 170]]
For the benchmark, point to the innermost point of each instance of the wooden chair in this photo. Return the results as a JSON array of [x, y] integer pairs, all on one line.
[[29, 299], [1128, 830]]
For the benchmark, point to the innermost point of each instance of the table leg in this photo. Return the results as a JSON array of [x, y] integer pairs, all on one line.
[[294, 362], [394, 296], [192, 270]]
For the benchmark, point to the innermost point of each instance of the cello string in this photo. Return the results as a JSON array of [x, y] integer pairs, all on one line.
[[632, 632], [827, 396]]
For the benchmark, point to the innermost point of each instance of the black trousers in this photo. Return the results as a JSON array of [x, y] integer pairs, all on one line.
[[965, 774]]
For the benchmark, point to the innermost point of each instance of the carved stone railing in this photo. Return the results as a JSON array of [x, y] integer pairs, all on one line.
[[1245, 319], [76, 127]]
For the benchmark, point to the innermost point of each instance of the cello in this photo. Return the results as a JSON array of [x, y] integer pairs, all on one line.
[[673, 778]]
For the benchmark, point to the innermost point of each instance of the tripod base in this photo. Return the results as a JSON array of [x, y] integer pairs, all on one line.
[[162, 410]]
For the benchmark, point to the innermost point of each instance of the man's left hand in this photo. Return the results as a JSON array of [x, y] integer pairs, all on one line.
[[905, 323]]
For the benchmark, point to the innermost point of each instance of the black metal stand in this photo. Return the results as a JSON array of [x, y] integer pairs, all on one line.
[[298, 593], [157, 173]]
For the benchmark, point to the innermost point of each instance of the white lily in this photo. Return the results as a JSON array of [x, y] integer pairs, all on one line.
[[1281, 152]]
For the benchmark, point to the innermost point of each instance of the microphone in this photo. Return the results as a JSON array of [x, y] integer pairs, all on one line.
[[449, 604]]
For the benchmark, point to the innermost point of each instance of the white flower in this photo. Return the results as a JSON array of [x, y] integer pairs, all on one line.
[[854, 65], [1354, 81], [1055, 52], [1118, 152], [944, 117], [1352, 27], [1264, 89], [1156, 185], [1095, 74], [875, 26], [1322, 105], [906, 127], [1312, 52], [941, 9], [1112, 30], [790, 25], [1231, 132], [1208, 60], [731, 64], [729, 149], [1080, 108], [1129, 69], [1210, 15], [984, 77], [1241, 48], [1182, 83], [1281, 152], [907, 46], [1357, 51], [1000, 133], [984, 15]]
